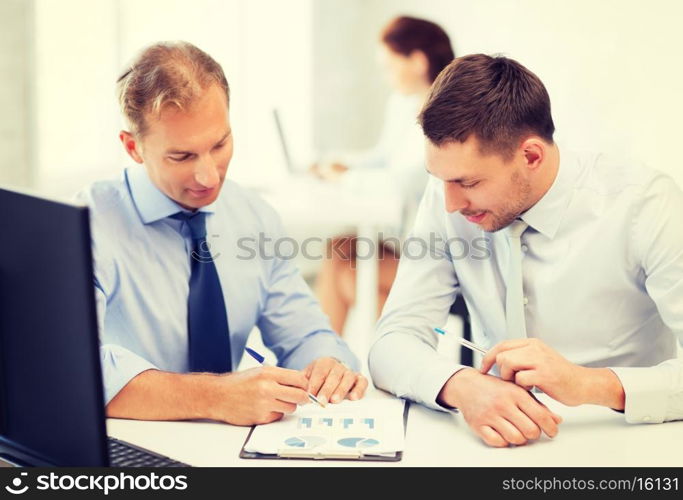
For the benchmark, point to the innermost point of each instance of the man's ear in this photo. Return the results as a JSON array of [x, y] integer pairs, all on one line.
[[131, 145], [534, 151]]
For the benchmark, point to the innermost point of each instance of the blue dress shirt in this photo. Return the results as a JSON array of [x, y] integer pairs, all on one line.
[[142, 271]]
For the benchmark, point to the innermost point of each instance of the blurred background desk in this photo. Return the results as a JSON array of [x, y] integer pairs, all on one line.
[[322, 210]]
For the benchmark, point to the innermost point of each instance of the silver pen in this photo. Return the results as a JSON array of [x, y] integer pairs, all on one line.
[[466, 343]]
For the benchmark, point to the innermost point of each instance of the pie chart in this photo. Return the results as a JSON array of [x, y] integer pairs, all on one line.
[[304, 442], [358, 442]]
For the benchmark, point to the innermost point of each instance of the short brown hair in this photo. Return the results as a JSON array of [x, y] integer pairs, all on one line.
[[495, 98], [166, 73], [406, 34]]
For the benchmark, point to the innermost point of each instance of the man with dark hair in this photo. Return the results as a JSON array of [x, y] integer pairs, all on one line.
[[580, 293]]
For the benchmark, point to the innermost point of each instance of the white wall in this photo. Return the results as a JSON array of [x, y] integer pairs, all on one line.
[[75, 66], [612, 68], [348, 86], [82, 46], [15, 65]]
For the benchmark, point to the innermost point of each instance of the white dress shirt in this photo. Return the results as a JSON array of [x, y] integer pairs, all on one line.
[[602, 276]]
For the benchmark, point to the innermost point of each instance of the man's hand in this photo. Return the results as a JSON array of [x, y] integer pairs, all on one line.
[[329, 380], [499, 412], [530, 362], [257, 396]]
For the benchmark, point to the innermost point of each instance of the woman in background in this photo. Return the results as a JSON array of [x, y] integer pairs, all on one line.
[[413, 52]]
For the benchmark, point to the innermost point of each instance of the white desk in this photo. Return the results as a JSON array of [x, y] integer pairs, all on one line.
[[590, 436]]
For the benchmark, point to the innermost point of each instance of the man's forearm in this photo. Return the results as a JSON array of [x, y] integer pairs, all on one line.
[[158, 395], [406, 366]]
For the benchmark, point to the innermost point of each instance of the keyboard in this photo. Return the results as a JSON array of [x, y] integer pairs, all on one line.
[[122, 454]]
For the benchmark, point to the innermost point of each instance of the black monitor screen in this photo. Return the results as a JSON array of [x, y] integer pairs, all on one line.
[[51, 396]]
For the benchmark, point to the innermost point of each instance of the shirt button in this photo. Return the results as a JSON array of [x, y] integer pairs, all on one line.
[[647, 418], [526, 300], [525, 248]]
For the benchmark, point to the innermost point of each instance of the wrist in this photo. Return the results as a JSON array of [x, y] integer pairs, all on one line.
[[450, 395], [603, 388], [203, 393]]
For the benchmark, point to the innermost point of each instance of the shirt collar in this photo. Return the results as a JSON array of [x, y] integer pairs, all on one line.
[[547, 214], [151, 203]]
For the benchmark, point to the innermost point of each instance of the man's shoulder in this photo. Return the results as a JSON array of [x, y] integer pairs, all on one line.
[[614, 174], [110, 207], [104, 195]]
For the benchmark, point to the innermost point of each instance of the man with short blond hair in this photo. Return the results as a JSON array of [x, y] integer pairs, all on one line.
[[176, 299]]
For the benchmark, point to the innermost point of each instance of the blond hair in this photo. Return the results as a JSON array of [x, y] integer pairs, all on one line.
[[163, 74]]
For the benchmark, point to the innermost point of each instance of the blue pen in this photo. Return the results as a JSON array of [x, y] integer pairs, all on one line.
[[466, 343], [261, 360]]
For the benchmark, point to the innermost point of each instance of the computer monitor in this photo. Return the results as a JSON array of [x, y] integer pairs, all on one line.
[[51, 394], [283, 142]]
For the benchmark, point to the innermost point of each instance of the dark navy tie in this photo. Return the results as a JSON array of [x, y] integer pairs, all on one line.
[[207, 319]]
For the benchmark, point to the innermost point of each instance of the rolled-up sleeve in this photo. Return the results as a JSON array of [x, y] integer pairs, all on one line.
[[119, 365]]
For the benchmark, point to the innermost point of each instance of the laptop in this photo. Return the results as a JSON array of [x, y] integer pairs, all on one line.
[[291, 168], [51, 394]]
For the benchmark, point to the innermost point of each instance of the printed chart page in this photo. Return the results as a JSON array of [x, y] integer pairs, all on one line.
[[348, 429]]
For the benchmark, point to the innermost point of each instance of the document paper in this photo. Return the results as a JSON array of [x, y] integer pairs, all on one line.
[[350, 428]]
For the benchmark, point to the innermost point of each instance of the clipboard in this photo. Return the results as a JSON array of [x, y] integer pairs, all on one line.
[[356, 455]]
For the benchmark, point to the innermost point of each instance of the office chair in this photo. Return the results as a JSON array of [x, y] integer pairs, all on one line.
[[459, 308]]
